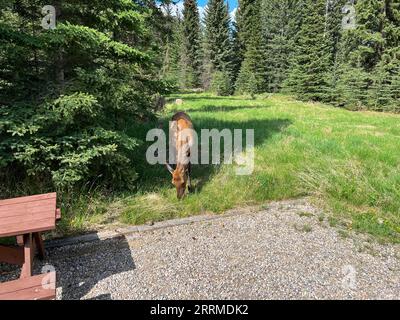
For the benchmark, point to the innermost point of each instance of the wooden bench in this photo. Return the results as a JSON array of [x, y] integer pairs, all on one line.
[[26, 218], [40, 287]]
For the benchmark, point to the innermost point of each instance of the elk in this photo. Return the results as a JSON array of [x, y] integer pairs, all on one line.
[[181, 127]]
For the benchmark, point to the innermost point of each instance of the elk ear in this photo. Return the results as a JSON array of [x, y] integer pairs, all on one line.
[[170, 169]]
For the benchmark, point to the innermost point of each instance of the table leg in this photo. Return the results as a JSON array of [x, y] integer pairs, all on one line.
[[39, 244], [28, 256]]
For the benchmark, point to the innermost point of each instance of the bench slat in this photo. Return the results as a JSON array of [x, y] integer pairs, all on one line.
[[38, 197], [29, 288], [21, 209], [27, 227], [27, 214], [30, 215]]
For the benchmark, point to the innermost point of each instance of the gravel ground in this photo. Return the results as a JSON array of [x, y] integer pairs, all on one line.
[[283, 251]]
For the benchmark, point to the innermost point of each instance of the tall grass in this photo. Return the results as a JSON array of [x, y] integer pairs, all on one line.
[[347, 162]]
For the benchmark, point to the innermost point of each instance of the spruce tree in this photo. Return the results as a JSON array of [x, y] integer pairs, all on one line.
[[236, 49], [333, 25], [364, 45], [384, 92], [191, 51], [371, 50], [309, 74], [239, 30], [277, 21], [251, 78], [68, 94], [217, 40], [171, 68], [391, 54]]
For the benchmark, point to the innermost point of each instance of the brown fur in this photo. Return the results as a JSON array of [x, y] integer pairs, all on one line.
[[181, 175]]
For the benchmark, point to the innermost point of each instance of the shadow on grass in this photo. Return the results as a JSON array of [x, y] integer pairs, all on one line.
[[153, 177], [196, 98], [213, 108]]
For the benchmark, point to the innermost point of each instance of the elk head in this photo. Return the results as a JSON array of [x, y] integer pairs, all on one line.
[[179, 179]]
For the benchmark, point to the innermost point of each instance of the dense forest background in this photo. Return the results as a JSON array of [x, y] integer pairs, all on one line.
[[303, 47], [69, 94]]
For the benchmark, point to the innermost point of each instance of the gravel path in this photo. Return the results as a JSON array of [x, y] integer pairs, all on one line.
[[284, 251]]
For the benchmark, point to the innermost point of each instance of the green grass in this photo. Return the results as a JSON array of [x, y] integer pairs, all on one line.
[[348, 162]]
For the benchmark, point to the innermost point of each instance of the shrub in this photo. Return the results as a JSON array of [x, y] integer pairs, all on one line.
[[68, 95]]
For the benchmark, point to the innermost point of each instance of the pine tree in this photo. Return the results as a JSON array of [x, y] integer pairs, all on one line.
[[309, 75], [251, 78], [236, 49], [239, 30], [67, 95], [217, 39], [333, 26], [277, 18], [391, 54], [352, 88], [364, 44], [171, 69], [391, 27], [384, 92], [370, 50], [191, 53]]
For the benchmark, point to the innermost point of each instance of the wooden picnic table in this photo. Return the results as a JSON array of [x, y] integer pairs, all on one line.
[[26, 218]]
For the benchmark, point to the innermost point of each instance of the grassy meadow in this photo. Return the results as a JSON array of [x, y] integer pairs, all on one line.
[[346, 162]]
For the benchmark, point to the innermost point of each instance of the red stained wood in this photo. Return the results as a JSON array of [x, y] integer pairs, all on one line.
[[12, 255], [26, 270], [24, 210], [39, 215], [27, 214], [26, 227], [58, 214], [25, 218], [31, 288], [20, 200]]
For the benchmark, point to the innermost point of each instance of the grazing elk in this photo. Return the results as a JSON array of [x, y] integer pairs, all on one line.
[[181, 127]]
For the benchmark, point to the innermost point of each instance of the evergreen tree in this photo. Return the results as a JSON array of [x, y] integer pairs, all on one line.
[[384, 93], [236, 49], [309, 76], [333, 25], [251, 78], [217, 38], [67, 95], [191, 53], [171, 69], [391, 27], [247, 19], [221, 83], [239, 30], [371, 49], [363, 46], [278, 20], [390, 60]]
